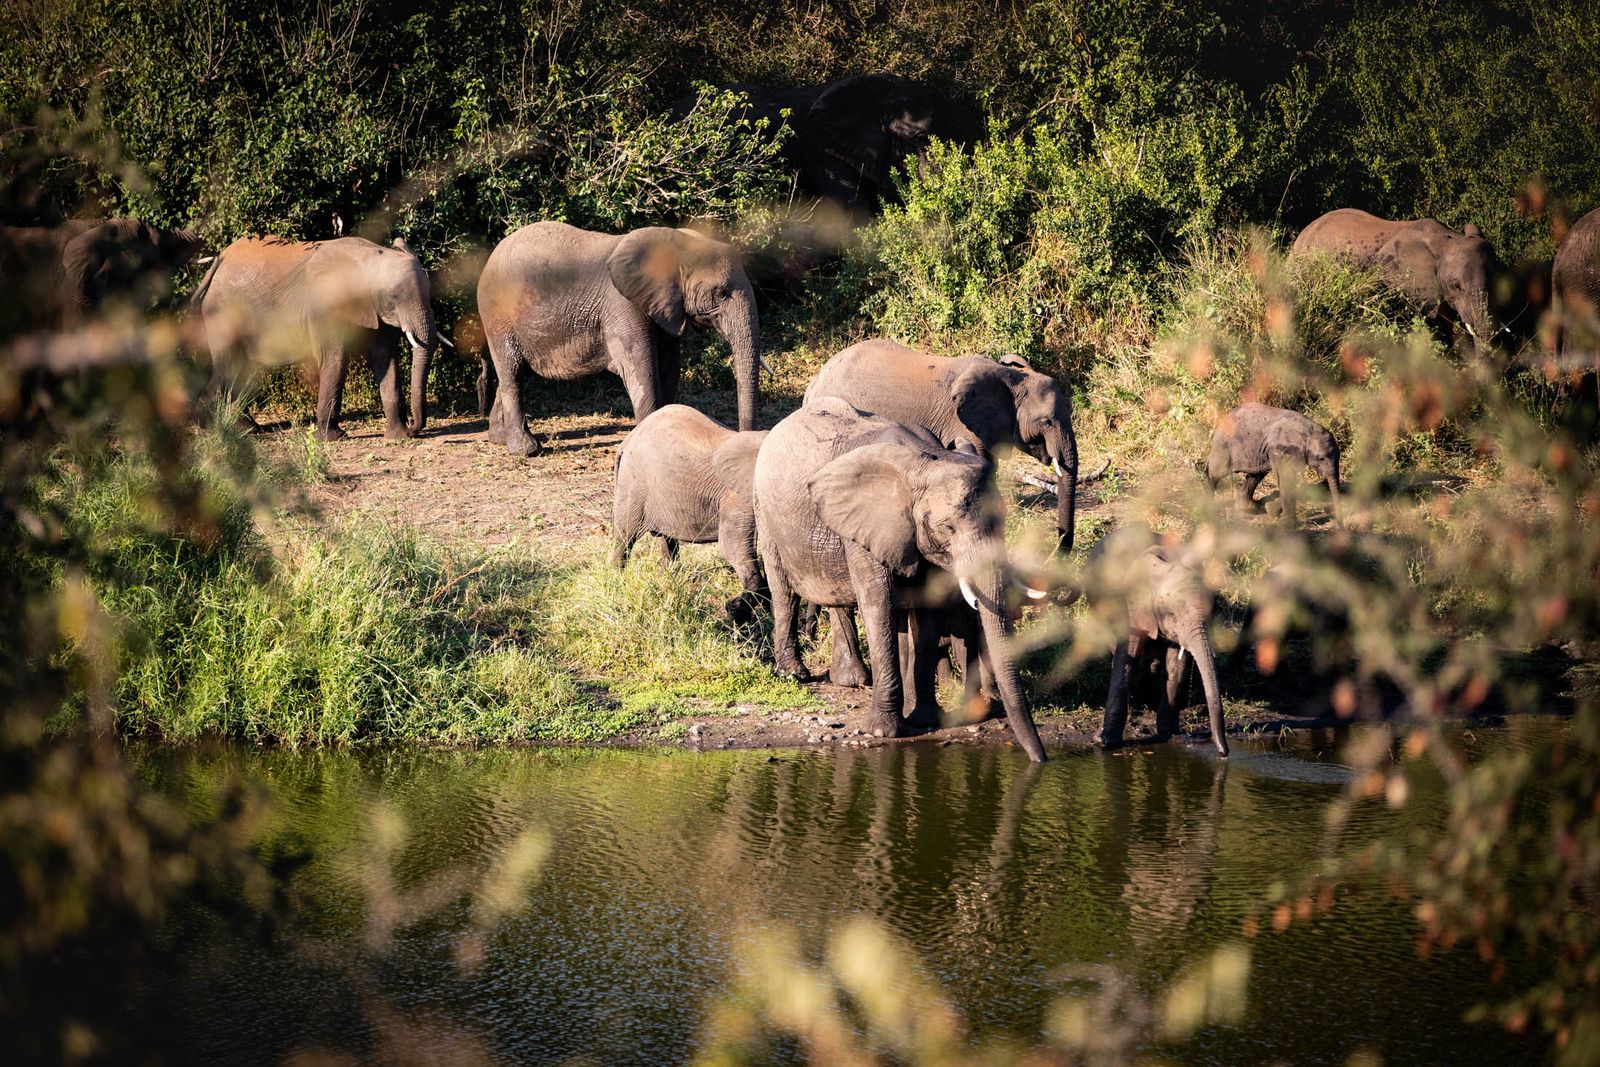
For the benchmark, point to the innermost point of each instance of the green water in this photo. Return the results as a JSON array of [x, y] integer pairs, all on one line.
[[1003, 875]]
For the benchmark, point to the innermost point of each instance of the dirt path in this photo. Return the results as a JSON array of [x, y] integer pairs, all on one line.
[[455, 486]]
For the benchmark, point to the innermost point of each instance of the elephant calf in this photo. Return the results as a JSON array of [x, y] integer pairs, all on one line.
[[1253, 439], [1168, 609], [684, 476]]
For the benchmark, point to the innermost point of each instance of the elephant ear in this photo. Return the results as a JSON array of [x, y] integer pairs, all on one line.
[[646, 268], [338, 285], [86, 261], [1409, 263], [864, 496], [984, 402]]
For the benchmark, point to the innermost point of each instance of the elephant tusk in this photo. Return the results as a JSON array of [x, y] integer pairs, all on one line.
[[1040, 483], [411, 338], [446, 341], [766, 366], [1470, 331], [968, 594], [1032, 592], [203, 260], [1055, 466]]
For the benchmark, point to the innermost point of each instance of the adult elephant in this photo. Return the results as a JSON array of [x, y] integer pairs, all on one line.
[[851, 509], [975, 400], [285, 301], [1575, 285], [569, 303], [56, 276], [1444, 273]]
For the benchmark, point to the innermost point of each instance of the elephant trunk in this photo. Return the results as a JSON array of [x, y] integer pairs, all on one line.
[[1197, 645], [1066, 447], [741, 327], [1005, 670], [424, 337]]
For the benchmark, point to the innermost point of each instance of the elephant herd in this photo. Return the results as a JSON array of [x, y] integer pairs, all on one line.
[[877, 498]]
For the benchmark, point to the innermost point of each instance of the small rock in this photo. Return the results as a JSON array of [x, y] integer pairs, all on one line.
[[975, 728]]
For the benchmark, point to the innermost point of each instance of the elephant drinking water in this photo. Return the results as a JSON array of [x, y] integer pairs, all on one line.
[[850, 508]]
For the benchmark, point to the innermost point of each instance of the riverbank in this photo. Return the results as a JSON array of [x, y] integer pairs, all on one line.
[[544, 523]]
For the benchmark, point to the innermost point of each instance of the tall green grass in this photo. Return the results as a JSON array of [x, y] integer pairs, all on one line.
[[370, 633]]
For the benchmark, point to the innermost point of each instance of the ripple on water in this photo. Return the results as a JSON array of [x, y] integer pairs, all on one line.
[[1004, 876]]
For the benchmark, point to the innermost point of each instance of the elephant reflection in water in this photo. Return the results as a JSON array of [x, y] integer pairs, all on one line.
[[1163, 841]]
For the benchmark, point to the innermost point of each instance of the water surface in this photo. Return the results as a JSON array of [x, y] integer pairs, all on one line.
[[1003, 876]]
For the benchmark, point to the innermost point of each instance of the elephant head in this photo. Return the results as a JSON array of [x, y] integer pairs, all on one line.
[[1313, 445], [678, 276], [124, 257], [1007, 400], [1167, 599], [369, 286], [1447, 270], [906, 501]]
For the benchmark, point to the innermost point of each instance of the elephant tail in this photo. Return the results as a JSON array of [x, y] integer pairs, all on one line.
[[204, 287]]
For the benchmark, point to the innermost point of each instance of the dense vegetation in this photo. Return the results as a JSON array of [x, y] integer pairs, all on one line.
[[1117, 216]]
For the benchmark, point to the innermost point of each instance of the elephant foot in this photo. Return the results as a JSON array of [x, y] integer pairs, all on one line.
[[397, 432], [527, 447], [851, 673], [1104, 740], [883, 724], [738, 613], [797, 671], [330, 433], [929, 716]]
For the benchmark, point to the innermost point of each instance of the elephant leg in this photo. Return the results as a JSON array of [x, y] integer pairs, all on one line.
[[808, 622], [923, 633], [1170, 695], [508, 402], [669, 368], [485, 384], [383, 358], [1288, 471], [736, 543], [1247, 492], [785, 648], [634, 362], [845, 666], [332, 365], [1116, 713], [875, 600], [669, 549]]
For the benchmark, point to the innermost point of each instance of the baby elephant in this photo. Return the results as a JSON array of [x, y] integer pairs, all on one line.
[[1168, 609], [686, 477], [1253, 439]]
